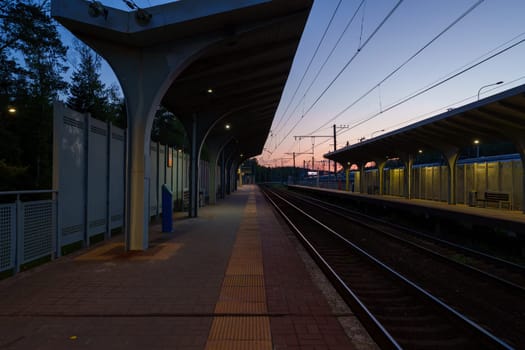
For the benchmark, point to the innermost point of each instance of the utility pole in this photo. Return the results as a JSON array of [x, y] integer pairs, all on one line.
[[304, 162], [335, 145], [312, 137]]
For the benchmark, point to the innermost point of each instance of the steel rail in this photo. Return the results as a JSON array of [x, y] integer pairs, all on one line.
[[517, 267], [474, 326], [467, 267]]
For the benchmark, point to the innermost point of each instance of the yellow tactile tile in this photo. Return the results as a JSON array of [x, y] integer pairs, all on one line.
[[243, 281], [243, 293], [240, 307], [248, 294], [240, 328], [239, 345], [248, 268]]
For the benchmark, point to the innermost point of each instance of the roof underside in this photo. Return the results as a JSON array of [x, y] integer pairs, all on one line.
[[247, 75], [499, 118], [247, 71]]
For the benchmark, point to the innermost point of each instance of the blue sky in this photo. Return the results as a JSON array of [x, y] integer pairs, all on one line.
[[492, 25]]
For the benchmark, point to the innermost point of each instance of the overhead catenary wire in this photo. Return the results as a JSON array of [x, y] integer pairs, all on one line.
[[408, 60], [426, 88], [310, 62], [370, 37], [334, 47], [433, 112], [441, 82]]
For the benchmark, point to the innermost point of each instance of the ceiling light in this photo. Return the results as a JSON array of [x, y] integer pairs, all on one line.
[[210, 91], [227, 126], [11, 110], [476, 142]]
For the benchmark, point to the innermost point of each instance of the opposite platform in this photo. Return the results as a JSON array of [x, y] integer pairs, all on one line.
[[229, 279]]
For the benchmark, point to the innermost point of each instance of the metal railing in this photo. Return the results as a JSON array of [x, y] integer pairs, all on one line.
[[28, 229]]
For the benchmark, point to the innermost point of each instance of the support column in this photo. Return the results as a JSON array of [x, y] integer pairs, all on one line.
[[216, 147], [451, 154], [519, 142], [223, 176], [229, 163], [409, 164], [198, 126], [380, 163], [145, 75], [194, 171], [213, 177], [347, 173], [235, 166], [362, 188]]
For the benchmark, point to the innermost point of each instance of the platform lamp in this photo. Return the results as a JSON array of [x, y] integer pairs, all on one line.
[[476, 142], [484, 86]]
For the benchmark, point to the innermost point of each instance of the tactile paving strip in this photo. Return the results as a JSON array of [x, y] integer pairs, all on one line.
[[239, 345], [243, 297], [240, 328], [243, 307]]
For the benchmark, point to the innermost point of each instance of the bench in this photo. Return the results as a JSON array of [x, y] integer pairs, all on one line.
[[501, 198]]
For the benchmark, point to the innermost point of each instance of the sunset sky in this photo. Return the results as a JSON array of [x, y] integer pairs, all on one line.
[[386, 64]]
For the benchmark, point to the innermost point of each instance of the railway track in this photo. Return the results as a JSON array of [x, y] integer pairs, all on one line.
[[501, 271], [396, 287]]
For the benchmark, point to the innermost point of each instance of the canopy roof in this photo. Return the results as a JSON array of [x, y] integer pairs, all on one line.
[[240, 79], [496, 118]]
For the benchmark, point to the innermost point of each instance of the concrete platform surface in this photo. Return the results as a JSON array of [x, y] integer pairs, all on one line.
[[229, 279]]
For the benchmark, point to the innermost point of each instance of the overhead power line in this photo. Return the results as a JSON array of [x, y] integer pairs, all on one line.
[[414, 55], [441, 82], [344, 68], [450, 76], [321, 68], [310, 63]]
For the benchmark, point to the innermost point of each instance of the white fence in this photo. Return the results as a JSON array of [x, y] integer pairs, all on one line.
[[27, 229], [88, 196], [88, 172]]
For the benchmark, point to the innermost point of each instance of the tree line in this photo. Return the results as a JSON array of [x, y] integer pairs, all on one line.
[[34, 63]]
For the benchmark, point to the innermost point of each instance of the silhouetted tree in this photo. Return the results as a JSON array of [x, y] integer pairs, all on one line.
[[87, 92], [34, 58]]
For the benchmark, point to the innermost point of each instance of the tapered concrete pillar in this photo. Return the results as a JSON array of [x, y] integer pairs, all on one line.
[[451, 155], [408, 160], [223, 176], [145, 73], [519, 142], [213, 177], [362, 184], [198, 127], [216, 147], [380, 163]]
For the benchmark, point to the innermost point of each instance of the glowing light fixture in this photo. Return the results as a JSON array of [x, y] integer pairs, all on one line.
[[420, 151], [227, 126], [476, 142], [11, 110], [210, 91]]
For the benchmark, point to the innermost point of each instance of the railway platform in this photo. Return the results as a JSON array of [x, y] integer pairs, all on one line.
[[233, 278]]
